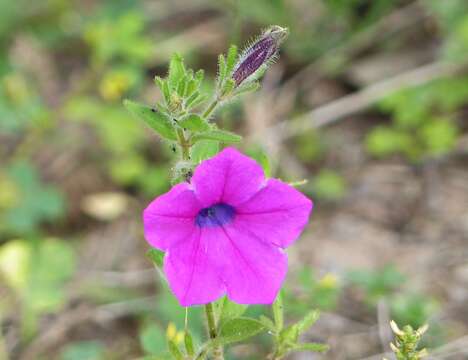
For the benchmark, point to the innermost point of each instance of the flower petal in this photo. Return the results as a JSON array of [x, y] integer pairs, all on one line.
[[252, 270], [277, 213], [170, 218], [191, 276], [229, 177]]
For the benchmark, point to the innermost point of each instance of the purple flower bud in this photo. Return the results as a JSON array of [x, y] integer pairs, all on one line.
[[261, 52]]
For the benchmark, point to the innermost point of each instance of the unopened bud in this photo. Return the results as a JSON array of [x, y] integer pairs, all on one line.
[[260, 53]]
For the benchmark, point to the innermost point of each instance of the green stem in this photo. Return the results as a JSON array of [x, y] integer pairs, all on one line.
[[212, 331], [184, 145], [209, 110]]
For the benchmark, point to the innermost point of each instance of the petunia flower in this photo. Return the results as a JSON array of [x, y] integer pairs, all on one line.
[[225, 232]]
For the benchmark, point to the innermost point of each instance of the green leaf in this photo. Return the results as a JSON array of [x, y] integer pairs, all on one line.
[[308, 321], [203, 150], [164, 88], [174, 350], [155, 119], [239, 329], [194, 122], [221, 69], [152, 339], [247, 87], [176, 70], [229, 85], [290, 335], [268, 323], [329, 185], [182, 86], [219, 135], [383, 141], [191, 87], [84, 350], [439, 136], [231, 59], [314, 347], [188, 341], [231, 310], [199, 75], [277, 308], [32, 201], [156, 256], [261, 157]]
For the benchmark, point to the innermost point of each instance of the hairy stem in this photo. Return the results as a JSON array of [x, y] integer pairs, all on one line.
[[212, 331], [209, 110], [184, 145]]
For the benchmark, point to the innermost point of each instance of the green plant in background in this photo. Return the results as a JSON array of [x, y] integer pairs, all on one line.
[[119, 51], [406, 345], [377, 283], [406, 306], [25, 201], [424, 123], [84, 350], [413, 308], [424, 118], [319, 292], [328, 185], [20, 104], [36, 271]]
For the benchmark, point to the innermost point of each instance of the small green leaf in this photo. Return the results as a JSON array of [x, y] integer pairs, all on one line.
[[174, 350], [152, 339], [176, 70], [231, 310], [261, 157], [277, 308], [268, 323], [156, 256], [221, 69], [247, 87], [163, 87], [188, 341], [194, 122], [182, 86], [219, 135], [83, 350], [229, 85], [203, 150], [314, 347], [194, 100], [308, 321], [191, 87], [289, 335], [153, 118], [239, 329], [231, 59], [199, 75]]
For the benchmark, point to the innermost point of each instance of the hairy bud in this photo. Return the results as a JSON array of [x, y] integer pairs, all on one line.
[[260, 53]]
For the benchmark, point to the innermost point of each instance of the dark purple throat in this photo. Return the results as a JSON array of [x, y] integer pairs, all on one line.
[[215, 215]]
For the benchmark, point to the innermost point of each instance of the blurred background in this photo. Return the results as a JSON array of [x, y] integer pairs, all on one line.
[[368, 103]]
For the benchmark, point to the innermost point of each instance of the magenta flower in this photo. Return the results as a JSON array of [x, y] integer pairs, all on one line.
[[225, 231]]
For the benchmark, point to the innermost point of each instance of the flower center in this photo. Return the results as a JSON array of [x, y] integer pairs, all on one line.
[[216, 215]]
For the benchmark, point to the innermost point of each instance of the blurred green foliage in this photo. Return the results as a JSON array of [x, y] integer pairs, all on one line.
[[25, 201], [316, 292], [37, 270], [84, 350], [328, 185], [423, 122], [407, 306]]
